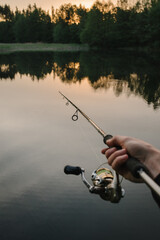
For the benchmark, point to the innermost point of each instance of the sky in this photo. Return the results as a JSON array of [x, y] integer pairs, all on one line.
[[44, 4]]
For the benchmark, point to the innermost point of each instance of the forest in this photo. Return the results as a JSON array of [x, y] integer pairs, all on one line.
[[104, 25]]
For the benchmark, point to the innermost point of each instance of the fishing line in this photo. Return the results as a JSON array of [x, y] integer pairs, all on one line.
[[89, 142], [74, 118]]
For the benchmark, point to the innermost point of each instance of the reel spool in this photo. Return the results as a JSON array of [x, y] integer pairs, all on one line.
[[102, 177]]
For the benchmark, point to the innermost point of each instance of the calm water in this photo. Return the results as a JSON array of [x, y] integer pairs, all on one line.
[[121, 93]]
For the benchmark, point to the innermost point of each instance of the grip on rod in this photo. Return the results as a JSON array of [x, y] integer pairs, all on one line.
[[72, 170], [132, 164]]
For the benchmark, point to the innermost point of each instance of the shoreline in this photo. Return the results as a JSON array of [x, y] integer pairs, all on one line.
[[7, 48], [41, 47]]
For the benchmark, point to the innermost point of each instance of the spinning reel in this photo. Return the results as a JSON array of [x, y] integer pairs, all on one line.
[[105, 183]]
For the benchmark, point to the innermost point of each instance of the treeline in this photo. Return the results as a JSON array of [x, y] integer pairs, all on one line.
[[103, 25]]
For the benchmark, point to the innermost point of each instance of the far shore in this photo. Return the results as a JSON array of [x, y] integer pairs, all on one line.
[[41, 47], [7, 48]]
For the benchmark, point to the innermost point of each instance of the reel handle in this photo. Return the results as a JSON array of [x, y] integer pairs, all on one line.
[[132, 164], [72, 170]]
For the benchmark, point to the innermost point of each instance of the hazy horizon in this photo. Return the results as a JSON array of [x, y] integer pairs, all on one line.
[[45, 5]]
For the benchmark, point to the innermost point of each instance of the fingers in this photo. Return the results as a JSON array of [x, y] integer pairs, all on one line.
[[116, 141], [104, 150], [110, 152], [119, 161], [115, 157]]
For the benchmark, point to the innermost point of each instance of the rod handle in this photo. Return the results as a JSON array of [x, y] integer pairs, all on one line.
[[72, 170], [132, 164]]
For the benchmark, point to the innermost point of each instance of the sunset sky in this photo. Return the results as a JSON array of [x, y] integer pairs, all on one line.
[[44, 4]]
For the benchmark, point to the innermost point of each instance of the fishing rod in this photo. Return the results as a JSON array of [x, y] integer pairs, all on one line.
[[137, 169]]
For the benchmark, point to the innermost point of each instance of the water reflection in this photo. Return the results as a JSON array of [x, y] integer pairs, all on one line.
[[38, 138], [136, 74]]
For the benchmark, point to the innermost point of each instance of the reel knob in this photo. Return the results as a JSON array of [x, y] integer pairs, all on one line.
[[72, 170]]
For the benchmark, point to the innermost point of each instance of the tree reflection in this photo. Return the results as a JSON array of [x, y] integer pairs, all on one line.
[[66, 66], [125, 73]]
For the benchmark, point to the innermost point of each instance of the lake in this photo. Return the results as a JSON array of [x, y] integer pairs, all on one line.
[[121, 93]]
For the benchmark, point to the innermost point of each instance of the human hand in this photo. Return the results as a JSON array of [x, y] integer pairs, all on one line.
[[136, 148]]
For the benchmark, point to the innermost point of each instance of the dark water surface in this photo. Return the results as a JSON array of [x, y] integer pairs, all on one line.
[[121, 93]]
